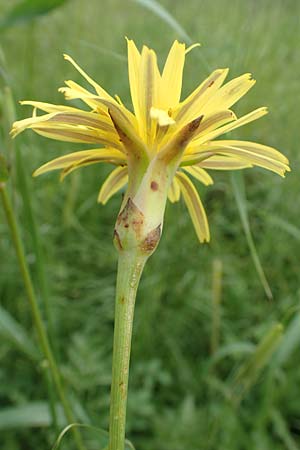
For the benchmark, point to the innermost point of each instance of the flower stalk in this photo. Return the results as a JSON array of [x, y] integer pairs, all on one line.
[[135, 241], [130, 267]]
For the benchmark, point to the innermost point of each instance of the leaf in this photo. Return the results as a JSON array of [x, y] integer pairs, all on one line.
[[15, 333], [28, 10], [101, 437], [34, 414], [233, 350], [238, 185]]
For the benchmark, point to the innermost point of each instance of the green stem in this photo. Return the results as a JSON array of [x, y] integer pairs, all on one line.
[[40, 328], [130, 267]]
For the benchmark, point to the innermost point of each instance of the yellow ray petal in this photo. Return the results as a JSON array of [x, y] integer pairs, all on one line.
[[230, 93], [113, 183], [200, 174], [213, 121], [48, 127], [134, 61], [260, 149], [94, 155], [48, 107], [82, 118], [76, 135], [194, 206], [74, 91], [77, 117], [254, 115], [100, 91], [174, 191], [224, 163], [149, 86], [171, 80], [192, 106], [250, 152]]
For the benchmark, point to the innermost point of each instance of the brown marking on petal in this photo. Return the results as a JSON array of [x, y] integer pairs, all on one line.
[[151, 240], [129, 142], [120, 132], [154, 185], [211, 83], [74, 134], [81, 119]]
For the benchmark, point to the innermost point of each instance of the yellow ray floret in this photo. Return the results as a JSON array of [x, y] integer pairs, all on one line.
[[182, 134]]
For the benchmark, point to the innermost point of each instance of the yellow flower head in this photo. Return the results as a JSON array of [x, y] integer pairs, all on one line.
[[163, 142]]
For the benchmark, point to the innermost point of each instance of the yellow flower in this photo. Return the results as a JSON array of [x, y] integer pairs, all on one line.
[[164, 142]]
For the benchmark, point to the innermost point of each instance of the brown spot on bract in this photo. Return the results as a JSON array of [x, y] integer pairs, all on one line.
[[154, 185], [122, 300], [151, 240]]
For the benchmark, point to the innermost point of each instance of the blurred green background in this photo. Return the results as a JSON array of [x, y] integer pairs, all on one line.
[[209, 370]]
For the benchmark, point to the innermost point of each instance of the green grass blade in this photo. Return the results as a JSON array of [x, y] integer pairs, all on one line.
[[24, 188], [290, 342], [290, 228], [234, 350], [217, 272], [238, 185], [155, 7], [33, 414], [3, 169], [282, 430], [249, 371], [11, 330], [28, 10], [167, 17], [103, 51]]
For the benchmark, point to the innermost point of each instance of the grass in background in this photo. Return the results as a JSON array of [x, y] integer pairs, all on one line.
[[182, 395]]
